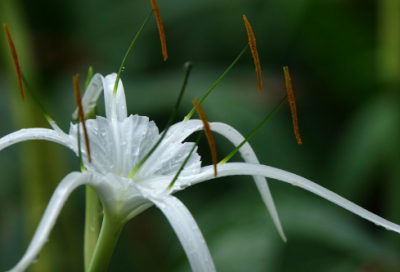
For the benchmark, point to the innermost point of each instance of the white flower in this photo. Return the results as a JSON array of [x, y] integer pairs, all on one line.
[[117, 144]]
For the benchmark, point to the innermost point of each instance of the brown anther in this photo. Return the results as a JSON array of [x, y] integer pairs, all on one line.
[[292, 103], [15, 60], [81, 114], [160, 28], [209, 135], [253, 47]]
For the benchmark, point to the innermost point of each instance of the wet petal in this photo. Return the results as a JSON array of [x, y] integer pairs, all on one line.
[[120, 112], [180, 131], [233, 169], [91, 95], [188, 233], [63, 190], [35, 134]]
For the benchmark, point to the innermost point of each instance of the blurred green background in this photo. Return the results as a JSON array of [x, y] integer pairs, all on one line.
[[345, 66]]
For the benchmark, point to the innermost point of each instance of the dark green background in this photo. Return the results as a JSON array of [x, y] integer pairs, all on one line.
[[343, 57]]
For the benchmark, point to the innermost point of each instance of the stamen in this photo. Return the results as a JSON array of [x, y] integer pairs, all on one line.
[[209, 135], [160, 28], [253, 47], [81, 114], [127, 54], [188, 66], [227, 158], [292, 103], [15, 60], [216, 83], [185, 162]]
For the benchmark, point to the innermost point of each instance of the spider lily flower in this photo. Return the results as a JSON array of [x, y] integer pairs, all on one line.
[[118, 142]]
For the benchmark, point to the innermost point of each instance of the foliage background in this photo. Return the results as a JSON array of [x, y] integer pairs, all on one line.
[[344, 60]]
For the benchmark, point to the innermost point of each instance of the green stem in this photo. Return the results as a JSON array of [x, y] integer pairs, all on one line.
[[92, 224], [109, 234]]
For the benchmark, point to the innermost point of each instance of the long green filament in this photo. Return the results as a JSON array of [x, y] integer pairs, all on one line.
[[83, 169], [188, 67], [46, 115], [251, 134], [121, 68], [185, 162], [89, 77], [216, 83]]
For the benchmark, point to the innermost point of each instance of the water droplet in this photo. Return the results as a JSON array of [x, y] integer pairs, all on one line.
[[36, 259]]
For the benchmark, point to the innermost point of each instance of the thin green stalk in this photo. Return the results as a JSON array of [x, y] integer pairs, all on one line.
[[227, 158], [93, 212], [109, 234], [188, 66], [121, 68], [216, 83], [92, 224], [28, 87]]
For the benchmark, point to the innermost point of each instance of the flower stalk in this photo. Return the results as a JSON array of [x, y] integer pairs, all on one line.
[[110, 231]]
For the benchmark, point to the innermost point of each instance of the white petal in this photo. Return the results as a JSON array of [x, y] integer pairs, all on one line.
[[182, 130], [91, 95], [248, 155], [119, 112], [64, 189], [35, 134], [231, 169], [188, 233], [170, 151]]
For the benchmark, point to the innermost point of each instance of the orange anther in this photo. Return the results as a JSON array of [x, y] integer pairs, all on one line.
[[160, 28], [81, 114], [292, 103], [209, 135], [15, 60], [253, 47]]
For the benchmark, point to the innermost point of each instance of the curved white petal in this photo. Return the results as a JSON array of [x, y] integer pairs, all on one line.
[[248, 155], [188, 233], [119, 112], [91, 95], [64, 189], [182, 130], [35, 134], [230, 169]]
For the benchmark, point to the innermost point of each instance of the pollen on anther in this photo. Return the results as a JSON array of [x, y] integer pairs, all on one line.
[[81, 114], [209, 135], [254, 52], [15, 60], [292, 103], [160, 28]]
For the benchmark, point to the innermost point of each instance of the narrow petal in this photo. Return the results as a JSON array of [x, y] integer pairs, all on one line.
[[249, 156], [35, 134], [230, 169], [119, 112], [91, 95], [188, 233], [182, 130], [64, 189]]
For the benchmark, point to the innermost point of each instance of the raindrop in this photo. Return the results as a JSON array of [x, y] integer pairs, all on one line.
[[36, 259]]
